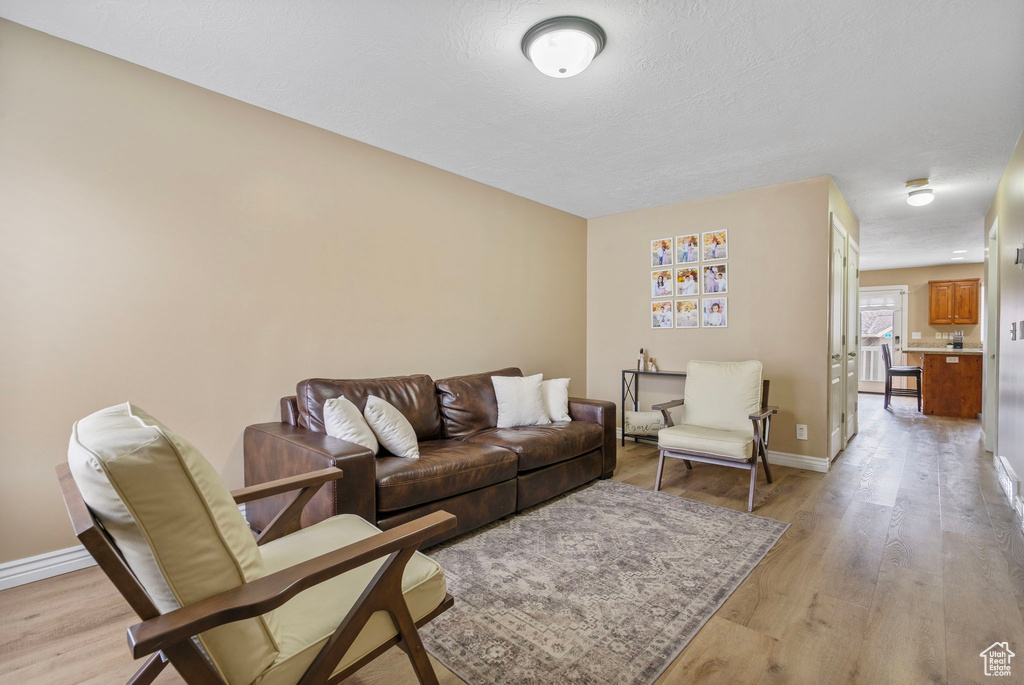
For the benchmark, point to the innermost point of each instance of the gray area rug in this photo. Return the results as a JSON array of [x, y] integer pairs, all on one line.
[[606, 584]]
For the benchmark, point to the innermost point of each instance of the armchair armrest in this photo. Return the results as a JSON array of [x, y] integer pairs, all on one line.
[[278, 450], [665, 406], [603, 414], [282, 485], [765, 413], [268, 593]]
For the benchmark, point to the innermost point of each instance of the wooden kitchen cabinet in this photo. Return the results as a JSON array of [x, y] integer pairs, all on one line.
[[952, 384], [953, 302]]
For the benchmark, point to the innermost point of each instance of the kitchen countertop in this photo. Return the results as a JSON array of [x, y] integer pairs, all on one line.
[[943, 350]]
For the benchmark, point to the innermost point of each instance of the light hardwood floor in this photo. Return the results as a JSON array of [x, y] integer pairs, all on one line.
[[901, 565]]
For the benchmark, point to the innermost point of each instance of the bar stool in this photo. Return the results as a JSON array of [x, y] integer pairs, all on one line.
[[901, 371]]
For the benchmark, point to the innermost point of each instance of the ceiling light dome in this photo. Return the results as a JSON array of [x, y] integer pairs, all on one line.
[[563, 46], [919, 198]]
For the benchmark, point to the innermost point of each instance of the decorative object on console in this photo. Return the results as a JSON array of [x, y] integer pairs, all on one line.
[[687, 313], [661, 316], [641, 361], [556, 398], [687, 248], [391, 427], [716, 245], [652, 366], [661, 252], [643, 422], [660, 565], [343, 420], [520, 401]]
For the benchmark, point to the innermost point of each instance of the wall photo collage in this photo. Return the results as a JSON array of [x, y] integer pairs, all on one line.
[[692, 269]]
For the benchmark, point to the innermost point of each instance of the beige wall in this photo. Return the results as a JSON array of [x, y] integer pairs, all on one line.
[[198, 256], [917, 298], [1008, 207], [778, 278]]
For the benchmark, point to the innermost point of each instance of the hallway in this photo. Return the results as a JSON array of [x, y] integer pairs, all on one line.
[[902, 563]]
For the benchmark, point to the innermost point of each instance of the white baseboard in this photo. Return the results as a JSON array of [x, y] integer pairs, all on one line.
[[796, 461], [31, 569]]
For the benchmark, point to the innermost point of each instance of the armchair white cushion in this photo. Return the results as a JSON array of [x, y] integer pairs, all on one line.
[[718, 401]]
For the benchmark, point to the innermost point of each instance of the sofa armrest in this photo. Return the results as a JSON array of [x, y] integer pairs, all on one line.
[[277, 450], [603, 413]]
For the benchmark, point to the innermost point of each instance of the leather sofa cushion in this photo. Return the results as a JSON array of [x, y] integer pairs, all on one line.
[[445, 468], [414, 396], [309, 619], [539, 446], [467, 402]]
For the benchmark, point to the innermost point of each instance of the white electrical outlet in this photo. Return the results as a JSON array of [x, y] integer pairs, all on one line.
[[801, 431], [938, 336], [916, 335]]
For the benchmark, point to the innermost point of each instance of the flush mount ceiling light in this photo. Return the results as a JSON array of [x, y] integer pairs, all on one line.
[[563, 46], [919, 198]]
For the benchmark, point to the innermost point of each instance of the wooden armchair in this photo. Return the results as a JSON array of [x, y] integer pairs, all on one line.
[[311, 606], [726, 420]]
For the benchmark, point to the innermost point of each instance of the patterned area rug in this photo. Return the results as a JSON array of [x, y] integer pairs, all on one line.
[[606, 584]]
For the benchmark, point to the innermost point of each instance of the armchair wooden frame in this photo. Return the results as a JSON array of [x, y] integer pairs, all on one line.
[[168, 637], [762, 431]]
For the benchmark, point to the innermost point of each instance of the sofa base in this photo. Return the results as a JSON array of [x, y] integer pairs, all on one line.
[[472, 509], [543, 484]]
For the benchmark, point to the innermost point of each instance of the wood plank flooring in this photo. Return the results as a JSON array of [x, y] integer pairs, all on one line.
[[902, 563]]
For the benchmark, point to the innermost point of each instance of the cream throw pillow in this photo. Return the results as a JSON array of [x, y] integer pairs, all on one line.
[[520, 402], [343, 420], [392, 429], [556, 398]]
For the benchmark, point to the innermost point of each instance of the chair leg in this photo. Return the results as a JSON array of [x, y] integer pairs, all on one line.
[[149, 671], [918, 377], [689, 466], [661, 466], [888, 390], [753, 481], [764, 461], [411, 643]]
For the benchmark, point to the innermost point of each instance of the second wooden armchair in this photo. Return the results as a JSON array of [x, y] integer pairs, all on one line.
[[726, 420], [307, 607]]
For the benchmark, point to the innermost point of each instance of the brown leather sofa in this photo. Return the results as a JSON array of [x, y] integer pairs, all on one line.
[[467, 466]]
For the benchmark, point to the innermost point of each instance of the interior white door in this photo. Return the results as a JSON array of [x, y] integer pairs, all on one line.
[[990, 417], [852, 337], [836, 351]]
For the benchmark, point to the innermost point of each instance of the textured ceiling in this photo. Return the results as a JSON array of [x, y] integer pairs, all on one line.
[[690, 98]]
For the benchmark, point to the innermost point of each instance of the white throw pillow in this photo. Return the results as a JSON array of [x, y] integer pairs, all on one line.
[[520, 402], [556, 398], [392, 429], [343, 420]]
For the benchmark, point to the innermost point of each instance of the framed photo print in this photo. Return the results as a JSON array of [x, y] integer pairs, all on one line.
[[661, 283], [687, 281], [715, 312], [715, 244], [661, 314], [687, 313], [661, 252], [687, 248], [715, 279]]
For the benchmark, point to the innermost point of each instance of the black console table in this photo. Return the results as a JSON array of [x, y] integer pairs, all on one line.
[[631, 391]]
